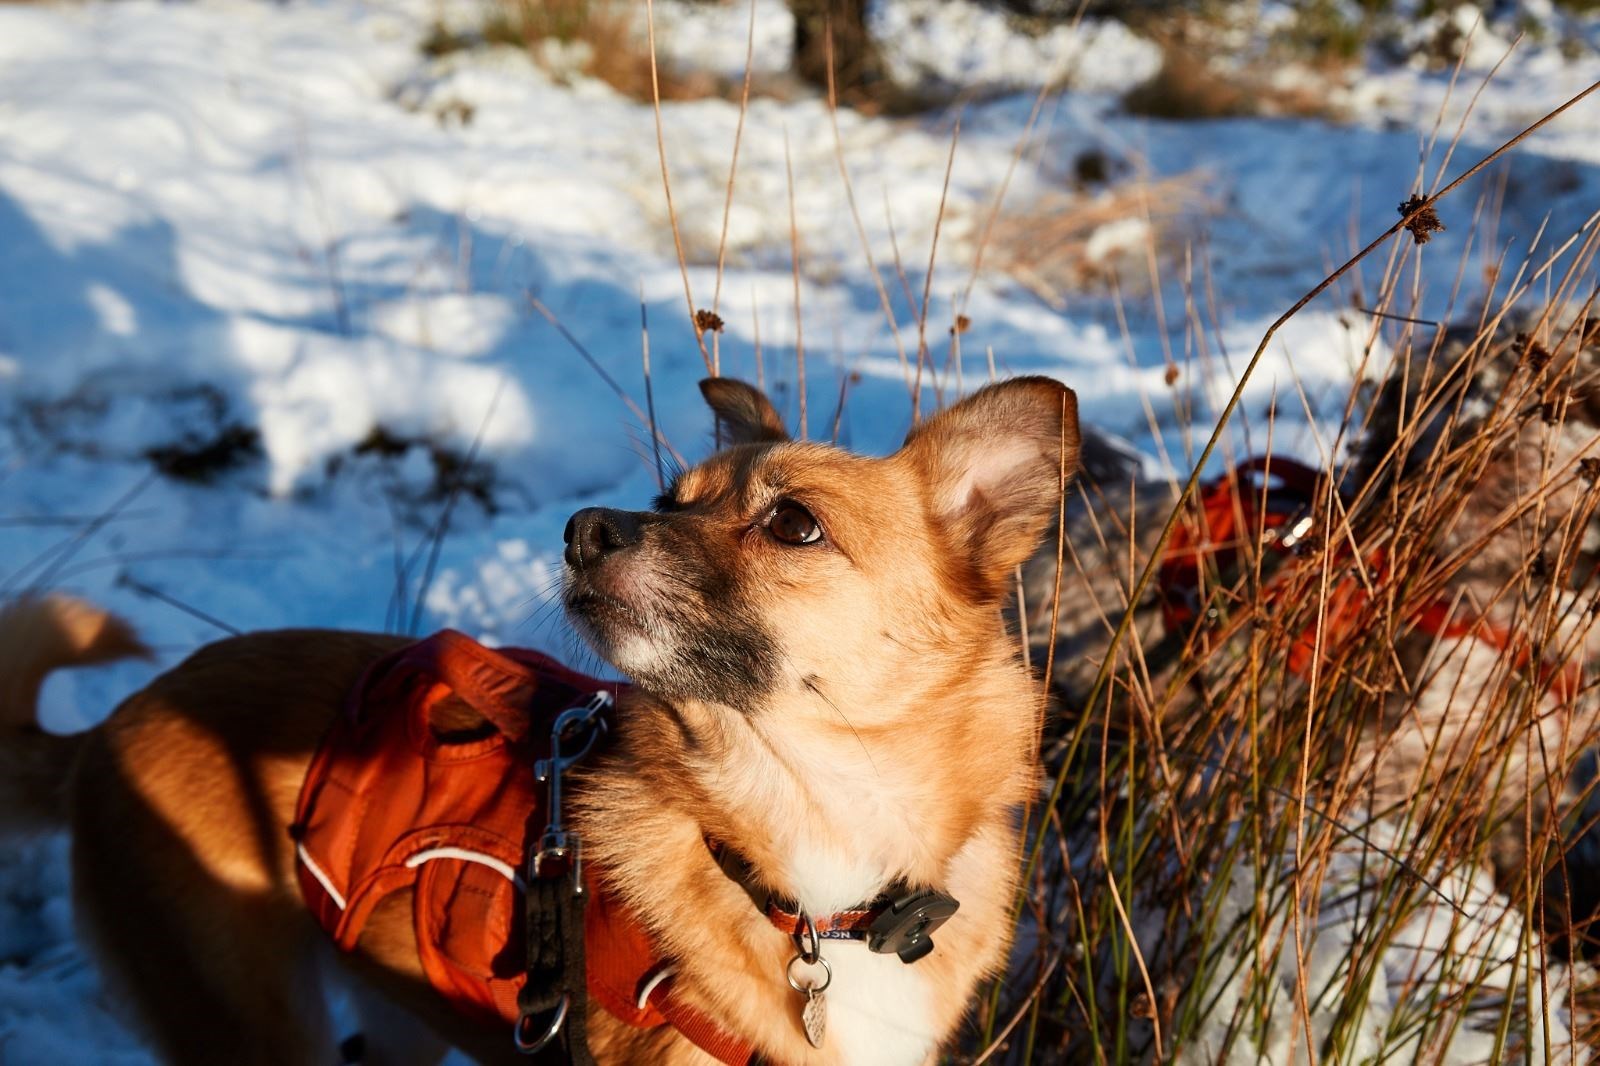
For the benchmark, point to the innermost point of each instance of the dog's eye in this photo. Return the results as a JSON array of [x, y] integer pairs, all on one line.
[[793, 524]]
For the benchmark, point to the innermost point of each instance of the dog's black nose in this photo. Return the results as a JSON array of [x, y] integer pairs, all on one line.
[[595, 532]]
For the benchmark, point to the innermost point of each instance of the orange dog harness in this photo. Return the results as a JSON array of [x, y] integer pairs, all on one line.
[[389, 804]]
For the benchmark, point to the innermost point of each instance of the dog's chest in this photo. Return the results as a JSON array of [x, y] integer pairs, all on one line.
[[879, 1010]]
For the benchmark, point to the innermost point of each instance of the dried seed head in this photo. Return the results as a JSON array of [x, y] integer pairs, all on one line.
[[1172, 374], [1589, 470], [1536, 355], [707, 321], [963, 323], [1425, 224]]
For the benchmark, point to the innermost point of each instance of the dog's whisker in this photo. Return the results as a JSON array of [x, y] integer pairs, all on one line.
[[811, 683]]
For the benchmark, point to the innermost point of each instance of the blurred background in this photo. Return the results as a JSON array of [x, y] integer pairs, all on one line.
[[330, 313]]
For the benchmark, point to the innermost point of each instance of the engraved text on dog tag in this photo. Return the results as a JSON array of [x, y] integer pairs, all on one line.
[[815, 1017]]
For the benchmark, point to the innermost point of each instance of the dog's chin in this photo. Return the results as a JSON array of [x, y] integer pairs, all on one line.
[[640, 657], [731, 663], [617, 634], [652, 662]]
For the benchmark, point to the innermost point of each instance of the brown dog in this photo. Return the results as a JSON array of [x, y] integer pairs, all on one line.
[[823, 680]]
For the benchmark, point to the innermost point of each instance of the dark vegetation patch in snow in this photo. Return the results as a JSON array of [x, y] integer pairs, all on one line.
[[454, 472], [203, 460], [196, 435]]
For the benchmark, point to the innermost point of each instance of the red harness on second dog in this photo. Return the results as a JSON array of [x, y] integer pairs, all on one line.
[[1269, 502], [389, 804]]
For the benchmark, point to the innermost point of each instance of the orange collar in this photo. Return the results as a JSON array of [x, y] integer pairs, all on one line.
[[899, 921]]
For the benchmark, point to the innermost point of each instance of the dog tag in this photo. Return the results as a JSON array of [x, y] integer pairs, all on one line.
[[815, 1017]]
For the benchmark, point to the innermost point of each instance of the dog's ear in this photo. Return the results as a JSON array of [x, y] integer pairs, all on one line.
[[744, 414], [994, 465]]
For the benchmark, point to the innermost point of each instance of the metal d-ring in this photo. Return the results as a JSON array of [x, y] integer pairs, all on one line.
[[827, 975], [530, 1047]]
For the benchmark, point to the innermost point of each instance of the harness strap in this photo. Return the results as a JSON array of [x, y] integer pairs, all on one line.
[[632, 982], [700, 1030], [555, 996]]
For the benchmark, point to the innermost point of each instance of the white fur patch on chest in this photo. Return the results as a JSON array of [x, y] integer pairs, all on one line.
[[825, 881], [879, 1009]]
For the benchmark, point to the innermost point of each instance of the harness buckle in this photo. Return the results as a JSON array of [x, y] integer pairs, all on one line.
[[558, 847]]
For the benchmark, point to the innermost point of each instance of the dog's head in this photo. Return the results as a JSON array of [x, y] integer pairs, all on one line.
[[780, 565]]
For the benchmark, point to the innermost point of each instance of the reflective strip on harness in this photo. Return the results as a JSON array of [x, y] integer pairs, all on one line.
[[322, 878], [503, 869]]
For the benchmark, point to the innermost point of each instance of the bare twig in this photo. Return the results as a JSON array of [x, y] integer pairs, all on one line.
[[594, 364], [794, 253], [666, 186], [649, 391]]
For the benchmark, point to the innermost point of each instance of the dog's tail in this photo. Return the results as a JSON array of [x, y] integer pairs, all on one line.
[[39, 634]]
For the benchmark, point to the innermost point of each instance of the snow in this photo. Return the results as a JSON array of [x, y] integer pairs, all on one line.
[[284, 217], [1456, 935], [720, 37], [967, 44]]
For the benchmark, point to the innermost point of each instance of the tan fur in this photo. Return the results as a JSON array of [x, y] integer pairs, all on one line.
[[891, 734], [37, 636]]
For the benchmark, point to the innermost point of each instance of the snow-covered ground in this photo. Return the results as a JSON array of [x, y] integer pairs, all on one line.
[[285, 222]]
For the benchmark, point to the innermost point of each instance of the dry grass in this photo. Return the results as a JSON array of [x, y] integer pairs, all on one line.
[[1316, 820], [1074, 241], [602, 39], [1204, 74]]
